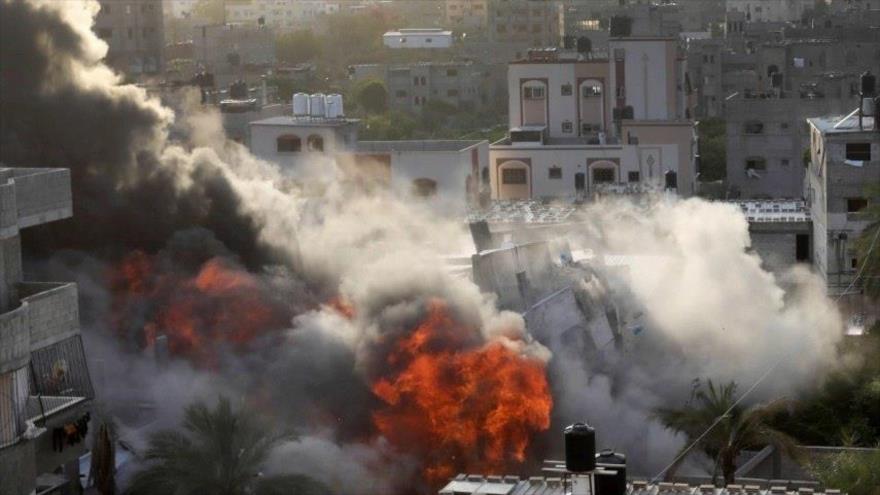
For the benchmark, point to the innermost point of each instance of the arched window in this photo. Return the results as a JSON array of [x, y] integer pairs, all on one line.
[[288, 143], [315, 143], [424, 188]]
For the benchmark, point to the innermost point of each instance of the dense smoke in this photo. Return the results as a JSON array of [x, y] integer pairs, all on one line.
[[335, 314]]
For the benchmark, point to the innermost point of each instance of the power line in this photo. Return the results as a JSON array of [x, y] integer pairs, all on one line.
[[767, 373]]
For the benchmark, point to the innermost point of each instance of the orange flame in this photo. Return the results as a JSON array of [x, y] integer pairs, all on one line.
[[222, 303], [460, 409]]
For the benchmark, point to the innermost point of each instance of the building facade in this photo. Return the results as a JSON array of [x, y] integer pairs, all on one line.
[[44, 381], [465, 85], [467, 14], [134, 34], [580, 126], [279, 14], [538, 23], [844, 160]]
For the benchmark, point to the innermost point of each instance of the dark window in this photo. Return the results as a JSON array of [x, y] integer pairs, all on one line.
[[400, 93], [105, 9], [671, 180], [423, 81], [566, 90], [451, 72], [428, 40], [415, 81], [554, 173], [632, 176], [754, 127], [452, 92], [105, 33], [756, 163], [802, 247], [784, 162], [591, 90], [513, 176], [567, 127], [855, 205], [603, 175], [424, 187], [288, 143], [858, 151], [315, 143]]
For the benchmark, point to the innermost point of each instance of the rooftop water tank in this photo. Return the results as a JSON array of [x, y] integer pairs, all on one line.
[[316, 105], [334, 106], [300, 105], [580, 448], [611, 484]]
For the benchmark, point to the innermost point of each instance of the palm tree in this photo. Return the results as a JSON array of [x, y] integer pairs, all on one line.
[[219, 451], [739, 429]]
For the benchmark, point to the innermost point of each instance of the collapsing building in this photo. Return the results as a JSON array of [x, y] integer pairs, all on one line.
[[45, 388]]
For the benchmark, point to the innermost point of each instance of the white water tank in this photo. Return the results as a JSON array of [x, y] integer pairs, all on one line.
[[300, 105], [334, 106], [316, 105]]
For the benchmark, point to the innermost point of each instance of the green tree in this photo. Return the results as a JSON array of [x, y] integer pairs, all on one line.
[[296, 47], [868, 245], [219, 451], [852, 472], [713, 149], [212, 11], [372, 96], [740, 429]]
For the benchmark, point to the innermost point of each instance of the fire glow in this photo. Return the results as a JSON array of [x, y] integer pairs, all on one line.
[[460, 409], [220, 303]]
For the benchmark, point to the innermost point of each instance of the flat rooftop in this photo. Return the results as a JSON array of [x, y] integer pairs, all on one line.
[[841, 124], [418, 32], [774, 210], [416, 145], [289, 120], [530, 211]]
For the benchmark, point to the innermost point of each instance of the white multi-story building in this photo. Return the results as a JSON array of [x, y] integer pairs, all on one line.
[[582, 126], [467, 14]]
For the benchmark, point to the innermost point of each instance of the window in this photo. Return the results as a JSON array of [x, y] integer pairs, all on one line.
[[754, 127], [415, 81], [783, 125], [424, 188], [315, 143], [105, 9], [567, 127], [400, 93], [587, 129], [603, 175], [565, 90], [554, 172], [513, 176], [756, 163], [855, 205], [533, 93], [452, 92], [105, 33], [784, 162], [591, 90], [429, 40], [854, 263], [130, 33], [451, 72], [632, 177], [288, 143], [858, 151], [671, 180]]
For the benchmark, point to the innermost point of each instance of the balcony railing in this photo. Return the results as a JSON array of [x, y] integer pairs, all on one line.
[[59, 378]]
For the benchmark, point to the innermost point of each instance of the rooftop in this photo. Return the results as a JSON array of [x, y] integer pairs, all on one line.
[[419, 32], [777, 210], [289, 120], [467, 484], [416, 145], [840, 124], [523, 211]]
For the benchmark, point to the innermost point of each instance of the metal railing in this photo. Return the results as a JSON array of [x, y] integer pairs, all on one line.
[[59, 378]]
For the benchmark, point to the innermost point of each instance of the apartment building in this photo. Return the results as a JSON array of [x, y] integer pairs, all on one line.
[[583, 126], [844, 159], [540, 23], [465, 85], [232, 51], [770, 10], [279, 14], [134, 34], [45, 389], [466, 15]]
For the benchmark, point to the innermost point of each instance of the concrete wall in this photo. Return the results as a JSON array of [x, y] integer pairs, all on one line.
[[53, 310], [650, 67], [134, 33], [337, 139], [15, 340], [18, 474]]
